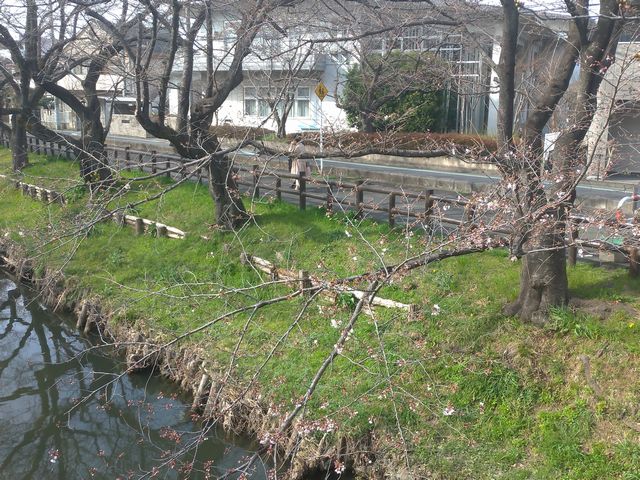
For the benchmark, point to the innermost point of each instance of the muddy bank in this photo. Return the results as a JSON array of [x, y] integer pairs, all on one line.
[[309, 450]]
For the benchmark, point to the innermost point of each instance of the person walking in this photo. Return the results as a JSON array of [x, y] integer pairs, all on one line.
[[298, 164]]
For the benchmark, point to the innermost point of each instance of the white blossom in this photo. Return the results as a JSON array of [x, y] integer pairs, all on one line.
[[448, 411]]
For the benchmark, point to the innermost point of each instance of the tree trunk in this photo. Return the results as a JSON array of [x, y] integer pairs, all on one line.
[[19, 149], [543, 278], [282, 129], [94, 166], [230, 211], [366, 120]]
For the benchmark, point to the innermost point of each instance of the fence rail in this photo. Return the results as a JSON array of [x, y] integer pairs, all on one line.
[[419, 206]]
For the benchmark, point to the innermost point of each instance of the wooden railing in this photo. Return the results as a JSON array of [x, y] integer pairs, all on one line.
[[421, 206]]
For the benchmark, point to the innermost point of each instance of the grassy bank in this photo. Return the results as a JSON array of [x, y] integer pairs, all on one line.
[[473, 394]]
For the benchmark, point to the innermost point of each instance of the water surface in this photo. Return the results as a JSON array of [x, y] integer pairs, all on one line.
[[124, 426]]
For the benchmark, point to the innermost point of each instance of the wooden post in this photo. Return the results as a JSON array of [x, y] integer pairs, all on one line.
[[428, 208], [139, 226], [255, 179], [278, 188], [198, 398], [636, 191], [330, 200], [167, 166], [634, 270], [140, 162], [44, 196], [573, 248], [116, 160], [82, 316], [359, 198], [154, 160], [161, 230], [392, 208], [90, 325], [245, 258], [127, 159], [302, 198], [305, 281], [25, 189], [33, 192], [471, 213]]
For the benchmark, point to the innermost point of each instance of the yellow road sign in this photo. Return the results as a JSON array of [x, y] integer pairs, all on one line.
[[321, 91]]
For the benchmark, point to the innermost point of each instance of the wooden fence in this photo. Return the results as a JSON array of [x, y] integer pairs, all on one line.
[[418, 206]]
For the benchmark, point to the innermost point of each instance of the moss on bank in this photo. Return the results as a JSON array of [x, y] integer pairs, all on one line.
[[474, 394]]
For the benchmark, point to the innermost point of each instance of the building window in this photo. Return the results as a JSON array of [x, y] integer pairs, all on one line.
[[250, 102], [254, 105], [412, 39], [267, 45], [230, 36], [302, 102]]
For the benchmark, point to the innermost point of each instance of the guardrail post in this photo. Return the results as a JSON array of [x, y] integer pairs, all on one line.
[[127, 159], [634, 270], [359, 198], [392, 208], [428, 208], [154, 160], [330, 200], [302, 189], [255, 179], [471, 213], [573, 248], [278, 188]]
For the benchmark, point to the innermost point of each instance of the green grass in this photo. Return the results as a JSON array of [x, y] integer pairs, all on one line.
[[522, 407]]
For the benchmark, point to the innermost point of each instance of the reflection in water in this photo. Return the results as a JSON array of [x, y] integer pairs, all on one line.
[[129, 428]]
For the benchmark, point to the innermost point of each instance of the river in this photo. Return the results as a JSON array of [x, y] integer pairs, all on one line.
[[130, 427]]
